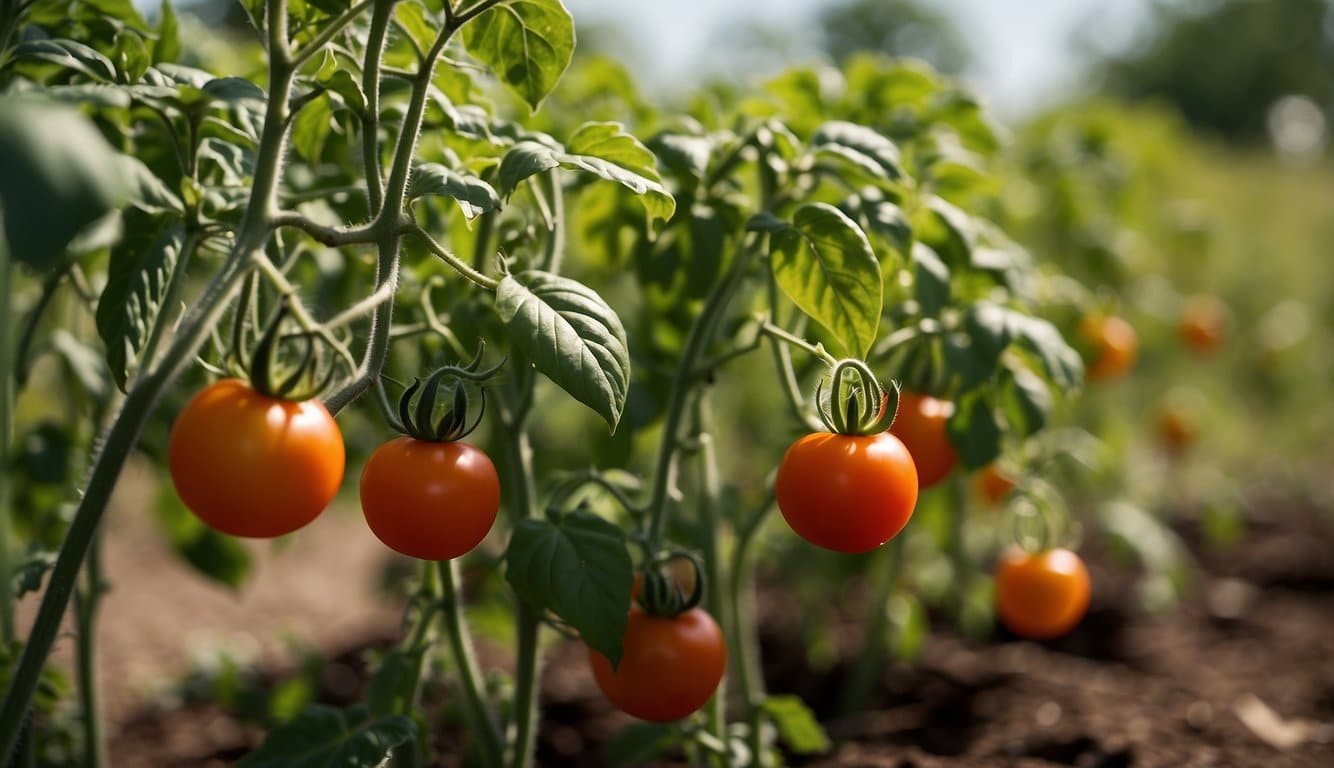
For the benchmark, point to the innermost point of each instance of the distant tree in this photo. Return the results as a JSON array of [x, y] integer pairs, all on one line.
[[1224, 63], [896, 27]]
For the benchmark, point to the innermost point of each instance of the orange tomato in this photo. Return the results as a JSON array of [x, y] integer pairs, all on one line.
[[920, 424], [1041, 596], [844, 492], [1115, 346], [431, 501], [252, 465], [670, 665]]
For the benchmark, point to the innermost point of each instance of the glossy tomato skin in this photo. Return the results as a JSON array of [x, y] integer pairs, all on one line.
[[252, 465], [921, 425], [429, 500], [670, 666], [844, 492], [1115, 346], [1043, 595]]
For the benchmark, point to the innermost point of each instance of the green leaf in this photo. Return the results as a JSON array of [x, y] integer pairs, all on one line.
[[234, 90], [218, 557], [323, 737], [825, 264], [392, 686], [1026, 402], [527, 158], [910, 626], [992, 328], [931, 280], [640, 743], [137, 278], [974, 431], [571, 336], [132, 56], [797, 725], [862, 146], [578, 569], [168, 47], [59, 176], [606, 150], [311, 129], [147, 192], [529, 44], [341, 82], [69, 54], [473, 195], [412, 17]]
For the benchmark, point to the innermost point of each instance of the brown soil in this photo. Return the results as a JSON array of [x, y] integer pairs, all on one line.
[[1246, 662]]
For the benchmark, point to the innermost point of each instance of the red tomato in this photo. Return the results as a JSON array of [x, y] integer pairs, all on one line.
[[920, 424], [670, 666], [846, 493], [1176, 428], [991, 485], [1041, 596], [1115, 346], [431, 501], [252, 465]]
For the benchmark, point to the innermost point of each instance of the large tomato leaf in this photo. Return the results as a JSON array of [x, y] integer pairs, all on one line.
[[602, 149], [529, 44], [59, 176], [825, 264], [571, 336], [577, 568], [323, 737], [974, 430], [862, 147]]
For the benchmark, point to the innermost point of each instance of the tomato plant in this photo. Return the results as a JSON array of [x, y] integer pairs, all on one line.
[[390, 192], [253, 465]]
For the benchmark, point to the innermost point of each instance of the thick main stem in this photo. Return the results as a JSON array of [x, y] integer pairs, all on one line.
[[519, 457], [143, 398], [711, 524], [478, 713]]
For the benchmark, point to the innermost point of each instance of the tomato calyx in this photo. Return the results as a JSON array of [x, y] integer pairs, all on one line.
[[1038, 518], [418, 418], [857, 403], [661, 595], [281, 379]]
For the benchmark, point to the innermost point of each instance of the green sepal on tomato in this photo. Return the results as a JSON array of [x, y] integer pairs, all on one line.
[[855, 487]]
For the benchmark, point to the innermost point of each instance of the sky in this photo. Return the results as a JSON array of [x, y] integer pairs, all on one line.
[[1022, 47]]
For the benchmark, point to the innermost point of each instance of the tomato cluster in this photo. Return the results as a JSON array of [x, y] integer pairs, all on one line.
[[252, 465]]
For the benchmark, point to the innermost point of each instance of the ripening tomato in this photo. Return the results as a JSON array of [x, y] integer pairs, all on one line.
[[1115, 346], [252, 465], [848, 493], [430, 500], [1203, 321], [670, 665], [920, 424], [1041, 596], [991, 485]]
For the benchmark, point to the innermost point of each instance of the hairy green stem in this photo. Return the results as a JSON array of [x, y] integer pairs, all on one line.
[[478, 712], [711, 527], [86, 601], [697, 343], [870, 663], [745, 653], [370, 119], [142, 400]]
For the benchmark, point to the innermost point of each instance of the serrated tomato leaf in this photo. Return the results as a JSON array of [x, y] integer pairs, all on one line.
[[138, 275], [528, 43], [824, 263], [571, 336], [580, 570]]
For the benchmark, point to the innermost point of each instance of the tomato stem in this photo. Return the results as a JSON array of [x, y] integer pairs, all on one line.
[[86, 601], [866, 674], [478, 712], [710, 499]]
